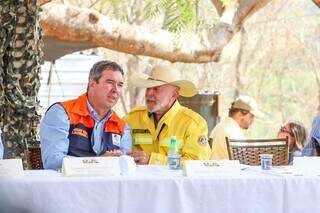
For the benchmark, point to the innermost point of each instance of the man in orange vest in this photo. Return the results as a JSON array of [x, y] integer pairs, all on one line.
[[87, 126]]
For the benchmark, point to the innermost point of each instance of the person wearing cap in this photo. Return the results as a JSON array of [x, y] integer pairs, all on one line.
[[87, 126], [241, 115], [163, 117]]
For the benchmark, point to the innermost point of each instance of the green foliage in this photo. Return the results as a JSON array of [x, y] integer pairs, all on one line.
[[179, 14]]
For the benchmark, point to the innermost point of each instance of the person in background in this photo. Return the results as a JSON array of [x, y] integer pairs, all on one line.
[[312, 147], [87, 126], [1, 146], [296, 134], [163, 117], [241, 115]]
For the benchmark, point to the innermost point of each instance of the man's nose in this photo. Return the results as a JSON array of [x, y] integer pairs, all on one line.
[[116, 88]]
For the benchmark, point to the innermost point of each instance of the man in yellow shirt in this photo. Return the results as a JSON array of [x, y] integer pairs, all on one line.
[[163, 117], [241, 115]]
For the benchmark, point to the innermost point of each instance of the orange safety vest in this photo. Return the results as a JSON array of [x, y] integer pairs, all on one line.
[[81, 127]]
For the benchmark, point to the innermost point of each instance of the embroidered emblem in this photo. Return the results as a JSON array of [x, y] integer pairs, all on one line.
[[202, 140], [116, 139], [80, 132]]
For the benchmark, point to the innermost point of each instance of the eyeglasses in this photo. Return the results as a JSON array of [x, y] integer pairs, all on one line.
[[283, 129]]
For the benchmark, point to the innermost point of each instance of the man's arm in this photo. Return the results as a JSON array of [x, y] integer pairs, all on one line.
[[313, 139], [196, 146], [54, 131], [308, 149]]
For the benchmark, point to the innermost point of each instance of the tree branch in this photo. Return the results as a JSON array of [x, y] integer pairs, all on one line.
[[219, 6], [42, 2], [317, 2], [74, 24]]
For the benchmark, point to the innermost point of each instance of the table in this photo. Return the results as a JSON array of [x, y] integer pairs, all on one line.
[[156, 189]]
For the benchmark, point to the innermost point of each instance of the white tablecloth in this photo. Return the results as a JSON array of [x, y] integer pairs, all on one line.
[[159, 190]]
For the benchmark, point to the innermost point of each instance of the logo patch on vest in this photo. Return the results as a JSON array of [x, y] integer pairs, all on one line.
[[80, 132], [116, 139]]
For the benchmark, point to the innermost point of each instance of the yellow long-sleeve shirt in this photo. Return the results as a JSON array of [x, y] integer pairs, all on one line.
[[188, 126]]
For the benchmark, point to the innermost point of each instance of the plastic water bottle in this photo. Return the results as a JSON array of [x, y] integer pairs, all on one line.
[[173, 154]]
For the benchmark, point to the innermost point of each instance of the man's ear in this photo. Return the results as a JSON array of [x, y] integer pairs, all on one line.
[[91, 83], [176, 93]]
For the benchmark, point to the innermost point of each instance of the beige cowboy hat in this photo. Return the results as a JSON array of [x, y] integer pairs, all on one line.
[[247, 103], [161, 75]]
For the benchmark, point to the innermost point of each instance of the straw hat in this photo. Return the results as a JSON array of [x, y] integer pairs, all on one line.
[[247, 103], [161, 75]]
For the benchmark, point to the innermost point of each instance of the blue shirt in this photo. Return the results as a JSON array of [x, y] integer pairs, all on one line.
[[1, 146], [315, 134], [54, 132]]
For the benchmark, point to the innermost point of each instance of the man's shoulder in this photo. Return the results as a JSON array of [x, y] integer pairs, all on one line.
[[225, 128], [192, 115]]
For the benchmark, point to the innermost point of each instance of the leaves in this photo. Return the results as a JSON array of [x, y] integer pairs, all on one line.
[[179, 15]]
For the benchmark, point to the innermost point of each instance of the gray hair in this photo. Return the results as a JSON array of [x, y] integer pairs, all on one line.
[[97, 69]]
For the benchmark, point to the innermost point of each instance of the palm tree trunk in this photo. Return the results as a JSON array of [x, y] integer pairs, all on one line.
[[20, 57]]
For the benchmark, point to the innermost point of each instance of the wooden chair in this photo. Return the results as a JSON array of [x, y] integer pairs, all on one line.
[[248, 151], [33, 155]]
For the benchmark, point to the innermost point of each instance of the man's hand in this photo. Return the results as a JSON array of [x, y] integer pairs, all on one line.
[[113, 153], [140, 157]]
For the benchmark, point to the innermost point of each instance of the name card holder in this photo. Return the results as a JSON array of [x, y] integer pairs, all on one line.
[[205, 168], [11, 168], [90, 166], [306, 165]]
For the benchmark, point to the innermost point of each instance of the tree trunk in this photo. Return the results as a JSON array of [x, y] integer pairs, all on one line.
[[20, 57], [240, 82]]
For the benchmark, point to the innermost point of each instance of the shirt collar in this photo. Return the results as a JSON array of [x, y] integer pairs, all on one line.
[[170, 114], [95, 115]]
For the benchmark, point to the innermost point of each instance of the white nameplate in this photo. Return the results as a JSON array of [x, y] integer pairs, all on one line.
[[11, 167], [204, 168], [90, 166], [306, 165]]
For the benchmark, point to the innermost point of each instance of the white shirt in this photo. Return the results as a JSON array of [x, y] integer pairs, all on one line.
[[226, 128]]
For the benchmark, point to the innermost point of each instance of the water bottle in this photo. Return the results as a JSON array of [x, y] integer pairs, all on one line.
[[173, 154]]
